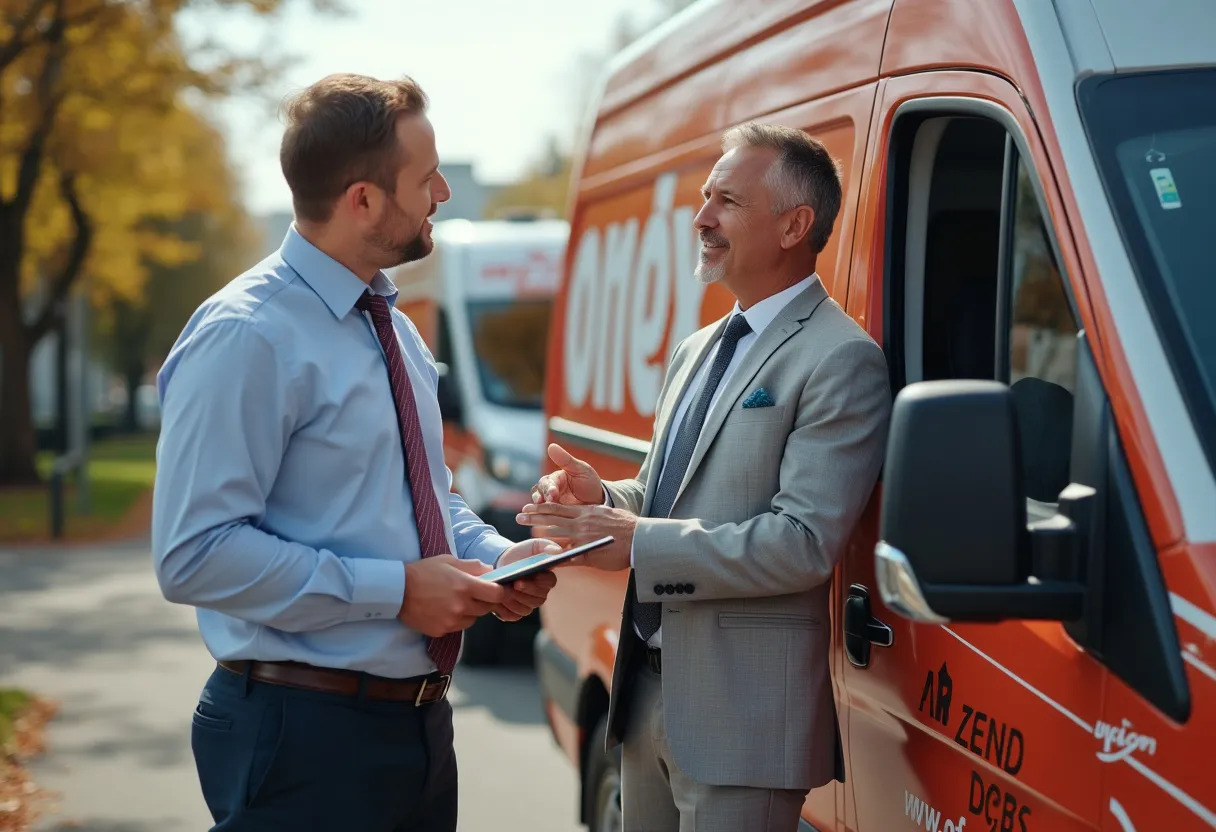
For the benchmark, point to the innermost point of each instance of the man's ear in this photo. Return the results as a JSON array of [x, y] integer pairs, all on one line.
[[358, 200], [797, 226]]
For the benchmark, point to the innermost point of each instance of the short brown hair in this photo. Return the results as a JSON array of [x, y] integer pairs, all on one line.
[[342, 130], [804, 174]]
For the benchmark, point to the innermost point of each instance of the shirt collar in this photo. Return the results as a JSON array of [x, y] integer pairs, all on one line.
[[764, 312], [335, 284]]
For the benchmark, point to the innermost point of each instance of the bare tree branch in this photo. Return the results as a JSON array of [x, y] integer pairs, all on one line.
[[79, 250], [18, 42], [31, 157]]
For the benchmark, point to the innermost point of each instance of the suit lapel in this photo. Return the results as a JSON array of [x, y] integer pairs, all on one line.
[[671, 405], [778, 332]]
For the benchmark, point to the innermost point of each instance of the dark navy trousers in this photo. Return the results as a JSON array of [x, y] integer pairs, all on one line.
[[271, 757]]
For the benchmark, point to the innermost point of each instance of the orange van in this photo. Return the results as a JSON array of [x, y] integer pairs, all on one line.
[[1024, 635]]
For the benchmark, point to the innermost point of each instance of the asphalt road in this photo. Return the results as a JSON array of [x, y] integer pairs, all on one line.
[[88, 628]]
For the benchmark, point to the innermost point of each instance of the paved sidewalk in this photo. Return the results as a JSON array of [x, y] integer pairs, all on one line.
[[88, 628]]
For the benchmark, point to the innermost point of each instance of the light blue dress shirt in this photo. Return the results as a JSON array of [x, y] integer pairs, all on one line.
[[282, 510]]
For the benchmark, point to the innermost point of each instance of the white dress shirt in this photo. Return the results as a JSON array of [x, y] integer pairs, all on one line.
[[759, 317]]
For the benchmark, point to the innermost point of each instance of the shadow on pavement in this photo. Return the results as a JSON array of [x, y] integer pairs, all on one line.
[[166, 825], [128, 737], [510, 694], [114, 625], [33, 568]]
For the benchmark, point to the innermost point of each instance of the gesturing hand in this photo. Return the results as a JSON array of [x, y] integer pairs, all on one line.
[[574, 483], [574, 525], [444, 594]]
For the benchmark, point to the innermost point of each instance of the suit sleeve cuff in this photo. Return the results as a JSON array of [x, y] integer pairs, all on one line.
[[379, 589], [649, 537]]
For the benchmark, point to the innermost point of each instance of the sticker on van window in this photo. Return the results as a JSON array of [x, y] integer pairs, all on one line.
[[1167, 191]]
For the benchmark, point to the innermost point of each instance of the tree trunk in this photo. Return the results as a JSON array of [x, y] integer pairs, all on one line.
[[17, 445], [134, 378]]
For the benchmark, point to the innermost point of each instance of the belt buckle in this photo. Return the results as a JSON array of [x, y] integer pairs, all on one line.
[[445, 680]]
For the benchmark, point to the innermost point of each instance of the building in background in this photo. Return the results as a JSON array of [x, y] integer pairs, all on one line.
[[469, 196]]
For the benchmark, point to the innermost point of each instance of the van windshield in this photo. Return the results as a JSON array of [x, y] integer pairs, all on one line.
[[510, 338], [1155, 140]]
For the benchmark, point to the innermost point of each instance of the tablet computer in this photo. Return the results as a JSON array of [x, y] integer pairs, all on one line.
[[541, 563]]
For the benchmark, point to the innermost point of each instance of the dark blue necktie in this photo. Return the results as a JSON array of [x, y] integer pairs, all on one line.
[[648, 616]]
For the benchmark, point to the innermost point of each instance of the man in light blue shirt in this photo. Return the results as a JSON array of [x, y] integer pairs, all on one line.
[[302, 503]]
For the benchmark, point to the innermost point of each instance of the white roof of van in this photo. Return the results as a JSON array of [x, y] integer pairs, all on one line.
[[496, 232], [1131, 35]]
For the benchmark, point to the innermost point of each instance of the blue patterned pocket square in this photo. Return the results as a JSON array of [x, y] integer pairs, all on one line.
[[759, 398]]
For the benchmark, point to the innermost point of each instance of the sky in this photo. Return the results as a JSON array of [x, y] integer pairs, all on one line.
[[502, 75]]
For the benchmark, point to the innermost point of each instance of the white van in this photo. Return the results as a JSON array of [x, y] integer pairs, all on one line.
[[482, 301]]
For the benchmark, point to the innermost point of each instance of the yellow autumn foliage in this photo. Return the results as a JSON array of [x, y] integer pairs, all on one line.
[[138, 152]]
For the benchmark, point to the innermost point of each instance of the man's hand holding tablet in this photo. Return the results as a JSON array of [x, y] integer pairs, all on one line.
[[544, 562]]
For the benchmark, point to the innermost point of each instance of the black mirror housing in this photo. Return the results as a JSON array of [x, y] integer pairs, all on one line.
[[955, 544], [952, 499]]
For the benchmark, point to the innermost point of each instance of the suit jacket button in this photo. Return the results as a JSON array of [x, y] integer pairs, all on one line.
[[689, 588], [671, 590], [679, 589], [658, 589]]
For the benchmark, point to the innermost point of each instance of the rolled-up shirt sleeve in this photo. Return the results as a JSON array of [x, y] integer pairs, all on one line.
[[228, 413]]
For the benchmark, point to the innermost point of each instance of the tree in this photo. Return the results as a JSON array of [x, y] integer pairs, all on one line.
[[100, 154], [135, 333], [541, 190]]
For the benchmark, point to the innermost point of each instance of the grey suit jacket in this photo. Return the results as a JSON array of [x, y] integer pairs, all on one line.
[[769, 500]]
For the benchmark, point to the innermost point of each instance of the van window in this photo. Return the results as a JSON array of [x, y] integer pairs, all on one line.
[[510, 338], [982, 294], [1042, 348], [1155, 142]]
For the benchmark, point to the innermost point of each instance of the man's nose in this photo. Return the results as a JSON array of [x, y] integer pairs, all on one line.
[[705, 218], [443, 191]]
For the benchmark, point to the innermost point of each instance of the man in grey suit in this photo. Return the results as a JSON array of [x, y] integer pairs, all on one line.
[[769, 435]]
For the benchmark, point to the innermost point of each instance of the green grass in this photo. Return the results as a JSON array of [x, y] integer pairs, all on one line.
[[120, 470], [12, 702]]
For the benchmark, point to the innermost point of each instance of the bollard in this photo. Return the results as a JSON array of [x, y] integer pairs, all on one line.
[[56, 503]]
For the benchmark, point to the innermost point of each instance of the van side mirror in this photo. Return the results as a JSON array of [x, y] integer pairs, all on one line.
[[954, 541], [449, 397]]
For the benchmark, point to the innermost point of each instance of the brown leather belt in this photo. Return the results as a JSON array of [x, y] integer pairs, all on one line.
[[421, 690]]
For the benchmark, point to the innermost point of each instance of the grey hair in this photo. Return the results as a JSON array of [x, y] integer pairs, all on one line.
[[804, 174]]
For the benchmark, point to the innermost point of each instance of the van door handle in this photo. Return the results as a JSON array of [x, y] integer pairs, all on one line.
[[861, 629]]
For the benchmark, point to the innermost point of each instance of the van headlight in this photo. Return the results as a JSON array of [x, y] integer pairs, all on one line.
[[515, 470]]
